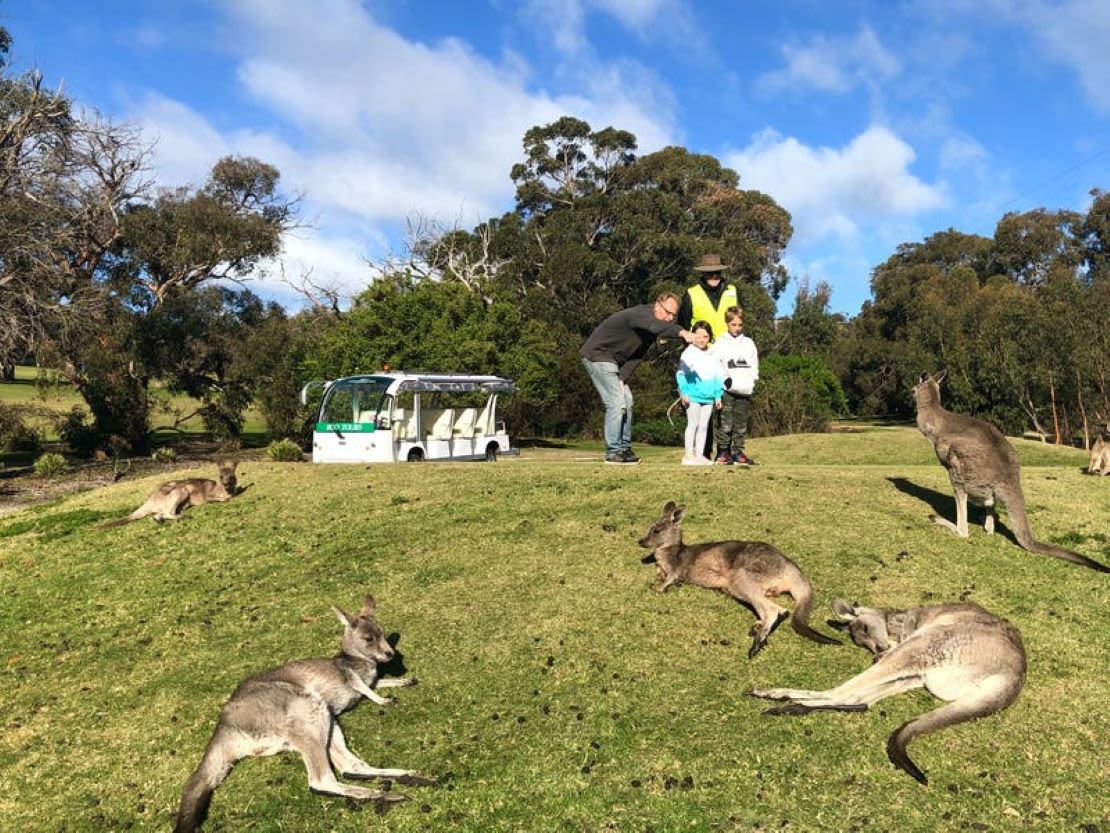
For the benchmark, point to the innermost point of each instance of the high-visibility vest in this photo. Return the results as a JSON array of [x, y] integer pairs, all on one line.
[[703, 309]]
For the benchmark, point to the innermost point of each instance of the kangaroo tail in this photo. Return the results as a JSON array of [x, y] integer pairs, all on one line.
[[803, 606], [1019, 522], [981, 704], [119, 522], [210, 773]]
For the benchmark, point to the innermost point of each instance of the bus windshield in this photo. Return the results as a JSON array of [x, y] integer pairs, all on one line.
[[352, 402]]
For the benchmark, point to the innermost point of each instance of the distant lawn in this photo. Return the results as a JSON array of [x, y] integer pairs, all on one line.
[[557, 692], [60, 398]]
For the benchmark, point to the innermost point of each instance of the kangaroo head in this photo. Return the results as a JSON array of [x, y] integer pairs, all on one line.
[[362, 636], [927, 390], [667, 531], [867, 626], [227, 475]]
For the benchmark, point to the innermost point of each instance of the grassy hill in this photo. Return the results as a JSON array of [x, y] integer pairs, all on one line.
[[557, 692]]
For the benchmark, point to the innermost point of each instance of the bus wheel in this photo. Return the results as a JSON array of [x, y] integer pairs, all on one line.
[[493, 451], [416, 455]]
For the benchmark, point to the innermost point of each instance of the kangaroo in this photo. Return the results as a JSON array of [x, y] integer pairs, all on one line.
[[961, 653], [751, 572], [294, 708], [1100, 458], [168, 501], [982, 465]]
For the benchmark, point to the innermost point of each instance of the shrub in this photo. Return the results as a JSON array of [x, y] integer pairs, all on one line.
[[51, 465], [165, 454], [78, 432], [658, 431], [15, 433], [796, 394], [284, 451]]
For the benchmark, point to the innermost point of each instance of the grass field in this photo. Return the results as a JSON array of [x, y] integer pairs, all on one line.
[[557, 692]]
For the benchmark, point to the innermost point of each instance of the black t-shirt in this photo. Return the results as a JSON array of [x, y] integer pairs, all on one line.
[[624, 337]]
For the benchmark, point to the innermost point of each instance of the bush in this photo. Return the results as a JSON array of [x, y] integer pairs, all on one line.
[[658, 431], [15, 434], [795, 394], [165, 454], [78, 432], [51, 465], [284, 451]]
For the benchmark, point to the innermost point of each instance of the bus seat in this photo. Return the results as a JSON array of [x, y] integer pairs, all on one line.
[[464, 425], [441, 428]]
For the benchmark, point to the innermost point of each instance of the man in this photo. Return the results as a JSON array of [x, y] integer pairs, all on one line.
[[610, 355], [707, 301]]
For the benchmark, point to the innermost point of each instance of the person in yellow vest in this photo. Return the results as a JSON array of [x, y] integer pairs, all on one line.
[[707, 301]]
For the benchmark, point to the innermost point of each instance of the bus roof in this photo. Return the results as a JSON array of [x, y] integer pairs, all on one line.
[[434, 382]]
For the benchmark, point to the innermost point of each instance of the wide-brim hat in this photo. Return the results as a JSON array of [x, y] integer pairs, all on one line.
[[710, 263]]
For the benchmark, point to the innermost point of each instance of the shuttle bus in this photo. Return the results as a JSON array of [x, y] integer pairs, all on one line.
[[393, 417]]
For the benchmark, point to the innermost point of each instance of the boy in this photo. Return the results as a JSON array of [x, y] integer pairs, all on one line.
[[740, 367]]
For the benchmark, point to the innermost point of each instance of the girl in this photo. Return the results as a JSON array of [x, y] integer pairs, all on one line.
[[700, 386]]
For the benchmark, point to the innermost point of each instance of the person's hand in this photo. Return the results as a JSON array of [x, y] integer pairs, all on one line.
[[685, 401], [719, 404], [687, 336]]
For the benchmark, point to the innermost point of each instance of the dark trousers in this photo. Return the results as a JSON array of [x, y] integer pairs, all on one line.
[[733, 423]]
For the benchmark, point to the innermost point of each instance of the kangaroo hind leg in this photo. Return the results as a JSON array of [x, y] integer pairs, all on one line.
[[311, 739], [351, 765]]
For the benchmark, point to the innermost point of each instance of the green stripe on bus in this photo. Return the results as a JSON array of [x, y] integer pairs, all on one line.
[[347, 427]]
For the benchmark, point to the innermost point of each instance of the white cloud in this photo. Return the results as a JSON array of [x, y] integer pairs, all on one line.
[[372, 128], [1076, 33], [837, 192], [834, 65]]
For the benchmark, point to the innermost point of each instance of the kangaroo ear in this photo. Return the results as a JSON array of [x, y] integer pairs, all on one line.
[[345, 618], [367, 606], [668, 507], [940, 376], [924, 377], [678, 513]]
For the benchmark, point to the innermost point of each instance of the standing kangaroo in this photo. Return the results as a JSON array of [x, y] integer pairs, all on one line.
[[982, 466], [294, 708], [961, 653], [168, 501], [751, 572], [1100, 458]]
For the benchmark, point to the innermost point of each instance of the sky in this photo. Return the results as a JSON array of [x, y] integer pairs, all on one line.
[[873, 122]]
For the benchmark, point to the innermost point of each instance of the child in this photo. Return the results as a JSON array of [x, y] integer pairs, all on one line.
[[700, 385], [739, 362]]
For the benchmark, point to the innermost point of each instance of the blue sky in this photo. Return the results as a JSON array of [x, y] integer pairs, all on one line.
[[874, 122]]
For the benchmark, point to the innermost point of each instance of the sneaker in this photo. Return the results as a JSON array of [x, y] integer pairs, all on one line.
[[622, 458], [743, 459], [689, 461], [724, 459], [702, 461]]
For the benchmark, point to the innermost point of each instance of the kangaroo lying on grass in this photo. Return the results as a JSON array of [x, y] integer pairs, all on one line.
[[294, 708], [168, 501], [982, 466], [961, 653], [751, 572]]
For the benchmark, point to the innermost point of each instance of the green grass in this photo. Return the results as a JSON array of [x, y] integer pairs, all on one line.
[[60, 399], [557, 692]]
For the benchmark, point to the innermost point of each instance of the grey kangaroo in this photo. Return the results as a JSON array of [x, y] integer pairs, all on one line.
[[293, 709], [982, 466], [751, 572], [961, 653], [168, 501], [1100, 458]]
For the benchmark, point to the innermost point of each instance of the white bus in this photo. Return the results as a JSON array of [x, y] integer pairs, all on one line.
[[395, 417]]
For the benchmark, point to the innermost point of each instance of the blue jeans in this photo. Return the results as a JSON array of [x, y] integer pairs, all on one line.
[[618, 404]]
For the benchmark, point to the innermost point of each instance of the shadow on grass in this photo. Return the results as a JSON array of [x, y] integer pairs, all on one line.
[[51, 527], [944, 505]]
